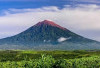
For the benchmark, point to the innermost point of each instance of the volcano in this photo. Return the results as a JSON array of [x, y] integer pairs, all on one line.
[[48, 35]]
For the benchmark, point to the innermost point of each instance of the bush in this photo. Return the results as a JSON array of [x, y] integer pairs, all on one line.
[[44, 62], [62, 64]]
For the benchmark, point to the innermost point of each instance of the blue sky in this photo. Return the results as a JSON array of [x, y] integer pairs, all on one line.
[[79, 16], [29, 4], [23, 4], [19, 4]]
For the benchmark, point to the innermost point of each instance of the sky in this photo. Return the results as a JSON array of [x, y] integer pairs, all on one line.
[[79, 16]]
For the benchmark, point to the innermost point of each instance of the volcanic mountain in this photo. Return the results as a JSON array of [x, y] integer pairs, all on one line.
[[47, 35]]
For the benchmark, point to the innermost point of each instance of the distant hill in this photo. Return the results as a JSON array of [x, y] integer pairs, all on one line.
[[47, 35]]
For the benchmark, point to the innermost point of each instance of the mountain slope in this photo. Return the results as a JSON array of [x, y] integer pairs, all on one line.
[[47, 33]]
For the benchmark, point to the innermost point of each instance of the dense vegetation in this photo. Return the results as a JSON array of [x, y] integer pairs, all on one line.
[[49, 59]]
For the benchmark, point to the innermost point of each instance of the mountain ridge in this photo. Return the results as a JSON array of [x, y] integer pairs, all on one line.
[[48, 33]]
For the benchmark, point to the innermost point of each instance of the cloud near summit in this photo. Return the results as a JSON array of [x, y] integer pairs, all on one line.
[[82, 19]]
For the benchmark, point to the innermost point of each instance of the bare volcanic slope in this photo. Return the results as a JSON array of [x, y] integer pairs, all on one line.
[[49, 35]]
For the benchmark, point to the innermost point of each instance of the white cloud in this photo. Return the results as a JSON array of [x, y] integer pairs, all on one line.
[[61, 39], [79, 19]]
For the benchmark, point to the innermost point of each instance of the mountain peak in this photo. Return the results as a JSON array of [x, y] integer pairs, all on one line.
[[44, 35], [51, 23]]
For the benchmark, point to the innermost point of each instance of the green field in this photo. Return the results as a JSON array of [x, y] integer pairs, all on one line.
[[49, 59]]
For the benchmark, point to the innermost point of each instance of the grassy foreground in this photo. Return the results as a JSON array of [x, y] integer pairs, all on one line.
[[49, 59]]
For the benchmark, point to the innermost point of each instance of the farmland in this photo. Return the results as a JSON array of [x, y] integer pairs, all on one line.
[[49, 59]]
